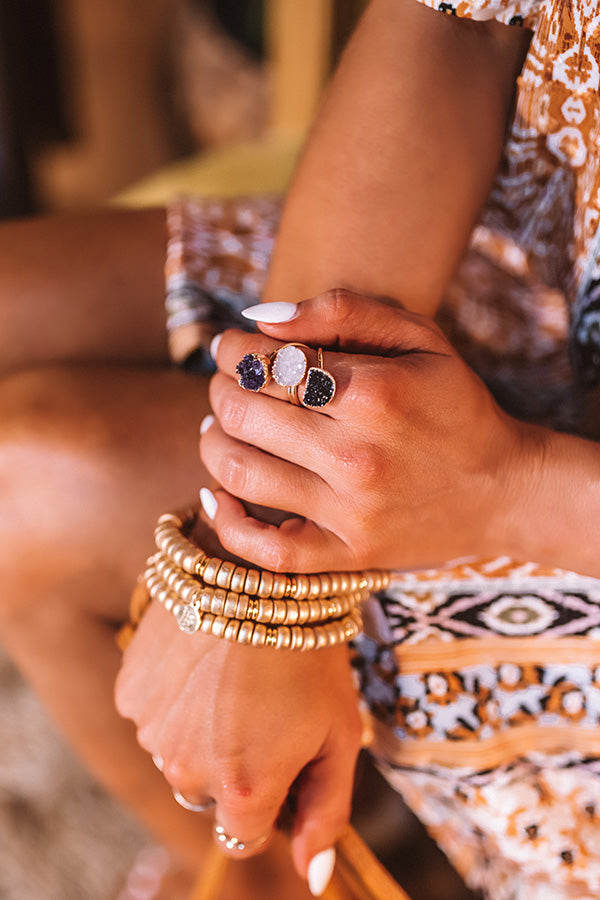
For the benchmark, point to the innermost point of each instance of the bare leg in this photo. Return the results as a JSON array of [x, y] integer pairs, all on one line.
[[82, 288], [88, 458]]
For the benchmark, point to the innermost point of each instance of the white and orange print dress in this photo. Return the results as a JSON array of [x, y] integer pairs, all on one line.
[[483, 681]]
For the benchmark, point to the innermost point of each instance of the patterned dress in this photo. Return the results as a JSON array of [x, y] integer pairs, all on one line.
[[483, 680]]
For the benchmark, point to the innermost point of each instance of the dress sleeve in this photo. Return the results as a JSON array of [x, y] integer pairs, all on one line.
[[509, 12], [217, 258]]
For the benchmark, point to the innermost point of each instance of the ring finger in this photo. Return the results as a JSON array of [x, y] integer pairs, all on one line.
[[253, 475]]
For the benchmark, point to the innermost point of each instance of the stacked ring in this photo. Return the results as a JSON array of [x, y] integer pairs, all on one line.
[[204, 805], [233, 843], [287, 366]]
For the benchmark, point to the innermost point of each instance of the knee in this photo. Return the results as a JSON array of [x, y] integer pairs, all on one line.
[[56, 456]]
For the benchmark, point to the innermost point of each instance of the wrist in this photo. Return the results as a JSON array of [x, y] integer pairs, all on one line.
[[551, 507]]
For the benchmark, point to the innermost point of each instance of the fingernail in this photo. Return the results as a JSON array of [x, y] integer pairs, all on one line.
[[209, 502], [206, 423], [320, 870], [214, 344], [274, 313]]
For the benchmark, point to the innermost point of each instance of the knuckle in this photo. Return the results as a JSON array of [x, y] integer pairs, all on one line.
[[242, 794], [178, 774], [278, 557], [233, 471], [145, 736], [231, 413], [372, 396], [337, 306], [362, 464]]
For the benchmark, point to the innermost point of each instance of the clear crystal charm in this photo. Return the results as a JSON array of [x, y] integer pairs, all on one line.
[[188, 617]]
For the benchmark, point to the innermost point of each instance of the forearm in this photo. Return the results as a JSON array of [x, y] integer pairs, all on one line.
[[401, 157], [82, 287], [554, 509]]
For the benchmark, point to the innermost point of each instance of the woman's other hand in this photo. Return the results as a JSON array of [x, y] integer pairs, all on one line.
[[247, 726], [412, 463]]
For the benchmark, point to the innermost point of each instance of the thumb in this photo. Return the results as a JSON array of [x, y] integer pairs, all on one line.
[[323, 805], [346, 320]]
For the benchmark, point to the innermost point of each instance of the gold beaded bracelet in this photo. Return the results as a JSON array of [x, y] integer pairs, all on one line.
[[208, 599], [171, 539], [250, 606], [245, 631]]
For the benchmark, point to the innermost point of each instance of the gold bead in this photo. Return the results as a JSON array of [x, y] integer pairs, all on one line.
[[232, 631], [297, 638], [334, 578], [170, 518], [321, 637], [280, 586], [200, 564], [314, 589], [230, 605], [245, 633], [283, 638], [205, 599], [344, 582], [302, 585], [219, 625], [292, 613], [309, 639], [210, 570], [271, 637], [252, 581], [241, 609], [265, 585], [238, 579], [207, 623], [303, 612], [217, 601], [325, 587], [265, 610], [279, 615], [259, 636], [225, 574], [253, 609], [315, 610]]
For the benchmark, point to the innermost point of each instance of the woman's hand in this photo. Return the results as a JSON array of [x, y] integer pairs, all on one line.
[[245, 724], [411, 464]]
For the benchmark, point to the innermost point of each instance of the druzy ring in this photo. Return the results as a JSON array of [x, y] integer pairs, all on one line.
[[288, 367], [320, 385], [254, 372]]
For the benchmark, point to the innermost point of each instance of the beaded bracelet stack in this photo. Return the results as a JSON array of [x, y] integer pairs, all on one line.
[[246, 605]]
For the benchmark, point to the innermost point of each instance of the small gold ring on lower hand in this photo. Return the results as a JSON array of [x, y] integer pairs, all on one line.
[[229, 842], [203, 805]]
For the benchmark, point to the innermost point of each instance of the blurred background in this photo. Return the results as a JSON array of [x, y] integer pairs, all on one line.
[[97, 96]]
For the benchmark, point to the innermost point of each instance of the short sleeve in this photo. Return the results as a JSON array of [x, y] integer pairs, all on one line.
[[509, 12]]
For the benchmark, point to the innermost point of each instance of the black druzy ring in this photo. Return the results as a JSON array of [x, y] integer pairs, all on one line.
[[320, 386], [253, 371]]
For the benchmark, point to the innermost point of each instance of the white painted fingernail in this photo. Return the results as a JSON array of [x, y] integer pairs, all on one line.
[[205, 424], [209, 502], [320, 870], [273, 313], [214, 345]]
